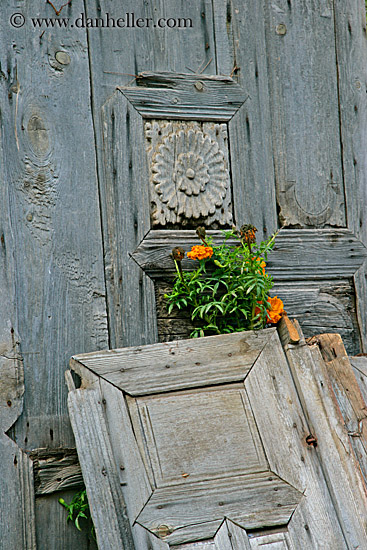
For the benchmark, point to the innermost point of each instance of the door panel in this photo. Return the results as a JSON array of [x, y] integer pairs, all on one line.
[[187, 456]]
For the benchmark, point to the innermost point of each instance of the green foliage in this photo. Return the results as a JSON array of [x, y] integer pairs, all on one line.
[[78, 509], [227, 292]]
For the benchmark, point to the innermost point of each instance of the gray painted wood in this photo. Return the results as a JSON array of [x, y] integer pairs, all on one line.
[[350, 36], [131, 301], [177, 365], [250, 129], [122, 56], [283, 426], [305, 117], [255, 500], [348, 394], [199, 98], [337, 460], [231, 537], [312, 254], [56, 470], [99, 470]]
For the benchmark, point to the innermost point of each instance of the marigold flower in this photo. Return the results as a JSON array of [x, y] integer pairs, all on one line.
[[277, 308], [200, 252], [248, 233], [275, 313]]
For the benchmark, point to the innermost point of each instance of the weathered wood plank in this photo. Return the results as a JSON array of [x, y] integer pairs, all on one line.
[[17, 504], [312, 254], [323, 306], [126, 195], [276, 541], [135, 484], [57, 532], [99, 470], [241, 50], [122, 56], [283, 428], [305, 113], [231, 537], [56, 470], [351, 49], [199, 99], [178, 365], [226, 444], [255, 500], [59, 268], [337, 460], [359, 365], [347, 393]]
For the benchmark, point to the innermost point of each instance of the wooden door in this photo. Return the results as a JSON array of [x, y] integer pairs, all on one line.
[[272, 135], [225, 442]]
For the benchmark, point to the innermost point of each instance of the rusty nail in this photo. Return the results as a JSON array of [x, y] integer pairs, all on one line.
[[311, 440]]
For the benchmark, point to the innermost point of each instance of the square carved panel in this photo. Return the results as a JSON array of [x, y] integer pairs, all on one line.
[[198, 434], [189, 176]]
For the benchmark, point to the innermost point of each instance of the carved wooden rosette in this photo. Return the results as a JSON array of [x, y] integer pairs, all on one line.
[[188, 173]]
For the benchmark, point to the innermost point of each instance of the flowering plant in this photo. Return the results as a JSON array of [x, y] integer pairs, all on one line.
[[229, 289]]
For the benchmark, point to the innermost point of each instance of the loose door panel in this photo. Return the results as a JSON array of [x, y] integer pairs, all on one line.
[[190, 455]]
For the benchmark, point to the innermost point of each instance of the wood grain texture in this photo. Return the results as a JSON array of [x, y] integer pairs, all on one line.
[[52, 200], [99, 470], [283, 427], [254, 501], [323, 306], [250, 129], [17, 499], [125, 195], [178, 365], [311, 254], [122, 56], [337, 460], [213, 429], [359, 365], [186, 97], [231, 537], [351, 50], [60, 534], [276, 541], [347, 392], [305, 114], [135, 483], [56, 470]]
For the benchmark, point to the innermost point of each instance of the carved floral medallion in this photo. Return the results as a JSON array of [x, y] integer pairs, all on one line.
[[189, 177]]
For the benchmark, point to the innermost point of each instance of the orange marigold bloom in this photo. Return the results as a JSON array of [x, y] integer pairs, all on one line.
[[262, 264], [277, 308], [275, 313], [200, 252]]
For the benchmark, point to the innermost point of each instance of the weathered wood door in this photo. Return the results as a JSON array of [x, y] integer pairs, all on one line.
[[275, 94], [271, 138], [215, 440]]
